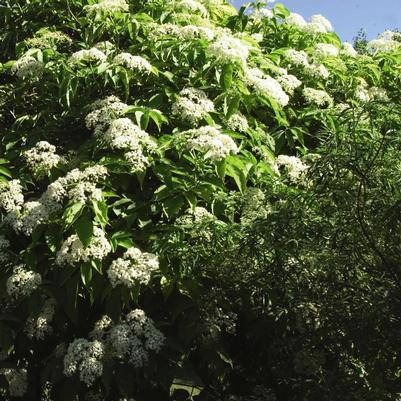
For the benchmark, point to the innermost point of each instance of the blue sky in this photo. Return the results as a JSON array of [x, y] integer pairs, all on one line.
[[348, 16]]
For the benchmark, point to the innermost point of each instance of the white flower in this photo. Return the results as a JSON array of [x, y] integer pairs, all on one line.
[[33, 214], [4, 246], [196, 32], [289, 82], [192, 6], [318, 71], [297, 58], [319, 21], [22, 282], [228, 49], [124, 134], [294, 167], [295, 20], [377, 93], [348, 50], [17, 381], [210, 141], [362, 94], [192, 105], [238, 122], [85, 357], [323, 50], [85, 192], [134, 338], [103, 112], [266, 86], [45, 39], [107, 6], [257, 36], [254, 206], [259, 14], [132, 268], [137, 160], [101, 328], [27, 66], [318, 97], [156, 31], [383, 45], [11, 197], [39, 326], [198, 224], [91, 55], [72, 250], [135, 63], [42, 158]]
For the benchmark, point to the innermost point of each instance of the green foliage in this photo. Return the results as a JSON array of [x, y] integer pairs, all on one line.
[[196, 204]]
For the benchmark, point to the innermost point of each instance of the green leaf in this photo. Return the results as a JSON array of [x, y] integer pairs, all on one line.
[[5, 171], [72, 213], [84, 227], [100, 208], [172, 206], [86, 273], [233, 106], [226, 77]]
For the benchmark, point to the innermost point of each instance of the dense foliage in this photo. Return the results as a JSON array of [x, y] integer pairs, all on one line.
[[197, 203]]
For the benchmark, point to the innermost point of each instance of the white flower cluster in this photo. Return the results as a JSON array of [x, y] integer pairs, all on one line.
[[296, 20], [132, 268], [87, 55], [107, 6], [300, 59], [39, 326], [45, 39], [228, 49], [289, 82], [294, 167], [258, 14], [22, 282], [42, 158], [72, 250], [192, 6], [324, 50], [365, 94], [191, 32], [318, 23], [123, 134], [134, 63], [197, 215], [17, 381], [4, 246], [238, 122], [133, 338], [27, 66], [192, 105], [348, 50], [386, 42], [100, 329], [11, 197], [103, 112], [318, 97], [297, 58], [85, 357], [211, 142], [266, 85], [76, 185], [254, 207]]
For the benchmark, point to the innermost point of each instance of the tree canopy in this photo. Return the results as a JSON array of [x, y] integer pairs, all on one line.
[[197, 203]]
